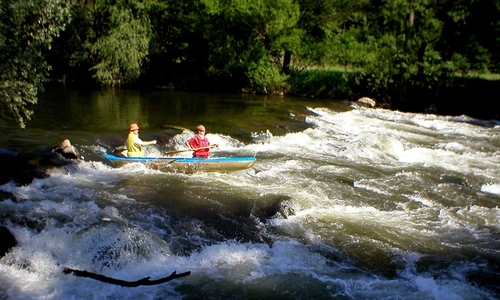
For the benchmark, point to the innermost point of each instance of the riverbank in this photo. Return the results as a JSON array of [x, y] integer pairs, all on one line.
[[471, 96]]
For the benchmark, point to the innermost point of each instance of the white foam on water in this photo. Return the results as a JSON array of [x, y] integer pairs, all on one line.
[[246, 263], [403, 184], [491, 188], [36, 266]]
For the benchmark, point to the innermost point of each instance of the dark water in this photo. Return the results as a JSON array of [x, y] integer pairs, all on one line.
[[374, 204], [111, 110]]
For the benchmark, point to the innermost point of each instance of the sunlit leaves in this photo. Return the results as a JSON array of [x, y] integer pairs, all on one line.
[[235, 44], [254, 35], [120, 53], [27, 29], [263, 75]]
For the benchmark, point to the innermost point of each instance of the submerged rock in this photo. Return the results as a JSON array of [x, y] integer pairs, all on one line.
[[66, 150], [23, 168], [369, 102], [274, 206], [8, 240]]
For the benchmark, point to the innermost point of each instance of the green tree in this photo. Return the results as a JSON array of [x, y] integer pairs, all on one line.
[[328, 27], [254, 39], [27, 29], [119, 51], [107, 40], [471, 34], [390, 43], [179, 45], [396, 44]]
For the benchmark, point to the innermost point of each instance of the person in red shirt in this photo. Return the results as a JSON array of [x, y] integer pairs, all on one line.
[[199, 143]]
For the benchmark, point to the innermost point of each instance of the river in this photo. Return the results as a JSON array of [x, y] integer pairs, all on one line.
[[376, 204]]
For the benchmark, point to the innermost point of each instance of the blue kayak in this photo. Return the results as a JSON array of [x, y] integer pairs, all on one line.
[[186, 164]]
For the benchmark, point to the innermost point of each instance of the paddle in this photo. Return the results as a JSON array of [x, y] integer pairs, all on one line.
[[194, 149]]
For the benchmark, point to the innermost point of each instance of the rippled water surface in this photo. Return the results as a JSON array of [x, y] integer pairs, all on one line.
[[343, 202]]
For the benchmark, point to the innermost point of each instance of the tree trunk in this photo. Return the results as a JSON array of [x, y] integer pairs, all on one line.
[[286, 61], [409, 31], [410, 26]]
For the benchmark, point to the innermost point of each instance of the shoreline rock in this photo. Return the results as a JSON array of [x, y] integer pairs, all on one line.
[[23, 168]]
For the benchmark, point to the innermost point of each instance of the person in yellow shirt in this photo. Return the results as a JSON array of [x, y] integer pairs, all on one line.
[[135, 144]]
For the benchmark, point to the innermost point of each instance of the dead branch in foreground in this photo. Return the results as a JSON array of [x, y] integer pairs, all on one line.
[[143, 281]]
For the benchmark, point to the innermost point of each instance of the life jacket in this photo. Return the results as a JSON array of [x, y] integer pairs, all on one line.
[[198, 141]]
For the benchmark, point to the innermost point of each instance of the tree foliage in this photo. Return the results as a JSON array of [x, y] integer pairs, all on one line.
[[27, 29], [252, 45], [119, 51], [252, 38], [108, 41]]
